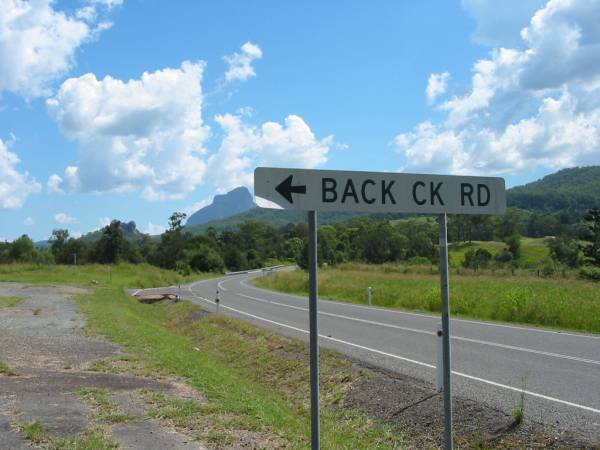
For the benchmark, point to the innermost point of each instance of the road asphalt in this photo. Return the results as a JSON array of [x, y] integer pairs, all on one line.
[[556, 374]]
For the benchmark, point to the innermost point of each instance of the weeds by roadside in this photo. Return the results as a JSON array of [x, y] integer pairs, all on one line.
[[91, 440], [519, 414], [6, 370], [11, 302], [34, 431], [104, 409], [94, 439], [519, 411], [200, 421]]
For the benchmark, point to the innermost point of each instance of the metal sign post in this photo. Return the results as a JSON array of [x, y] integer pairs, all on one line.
[[314, 330], [335, 190], [440, 359], [445, 295]]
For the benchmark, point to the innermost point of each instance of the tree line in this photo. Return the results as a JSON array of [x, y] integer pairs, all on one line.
[[256, 244]]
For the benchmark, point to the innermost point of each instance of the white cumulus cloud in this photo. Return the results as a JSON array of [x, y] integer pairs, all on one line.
[[29, 221], [272, 144], [535, 106], [498, 23], [155, 229], [437, 85], [240, 64], [143, 134], [15, 186], [148, 135], [38, 42], [64, 218]]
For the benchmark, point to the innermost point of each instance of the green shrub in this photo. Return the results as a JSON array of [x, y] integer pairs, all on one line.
[[419, 261], [504, 256], [475, 259], [183, 268], [566, 250], [205, 259], [590, 273], [548, 267], [514, 245]]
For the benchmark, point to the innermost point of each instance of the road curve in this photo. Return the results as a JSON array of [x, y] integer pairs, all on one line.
[[557, 372]]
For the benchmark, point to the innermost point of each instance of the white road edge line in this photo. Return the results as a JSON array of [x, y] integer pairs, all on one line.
[[401, 358], [416, 330], [406, 313]]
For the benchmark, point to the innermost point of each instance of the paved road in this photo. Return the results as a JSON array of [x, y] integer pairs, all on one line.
[[558, 372]]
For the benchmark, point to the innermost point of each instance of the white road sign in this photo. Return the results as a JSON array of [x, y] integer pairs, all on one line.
[[335, 190]]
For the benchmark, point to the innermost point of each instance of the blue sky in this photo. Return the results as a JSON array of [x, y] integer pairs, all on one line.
[[133, 109]]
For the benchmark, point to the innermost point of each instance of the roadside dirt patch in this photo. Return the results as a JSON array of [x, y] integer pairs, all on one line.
[[412, 406], [43, 343], [44, 331], [72, 290]]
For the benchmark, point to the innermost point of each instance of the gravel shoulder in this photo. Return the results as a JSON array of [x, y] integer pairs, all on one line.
[[44, 345], [408, 403]]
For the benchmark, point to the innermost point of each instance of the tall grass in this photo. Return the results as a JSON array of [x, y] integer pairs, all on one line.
[[560, 303]]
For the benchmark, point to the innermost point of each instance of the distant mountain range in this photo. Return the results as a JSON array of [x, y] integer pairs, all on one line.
[[130, 232], [568, 191]]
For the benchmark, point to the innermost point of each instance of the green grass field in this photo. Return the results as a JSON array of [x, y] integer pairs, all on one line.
[[253, 379], [560, 303], [533, 251], [138, 276]]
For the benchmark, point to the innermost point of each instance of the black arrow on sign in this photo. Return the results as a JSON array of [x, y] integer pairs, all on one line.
[[286, 189]]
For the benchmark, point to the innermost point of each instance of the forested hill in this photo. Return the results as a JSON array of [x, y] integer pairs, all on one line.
[[568, 191], [279, 218]]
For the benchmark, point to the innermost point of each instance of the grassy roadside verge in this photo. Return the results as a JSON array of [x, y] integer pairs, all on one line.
[[559, 303], [254, 381]]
